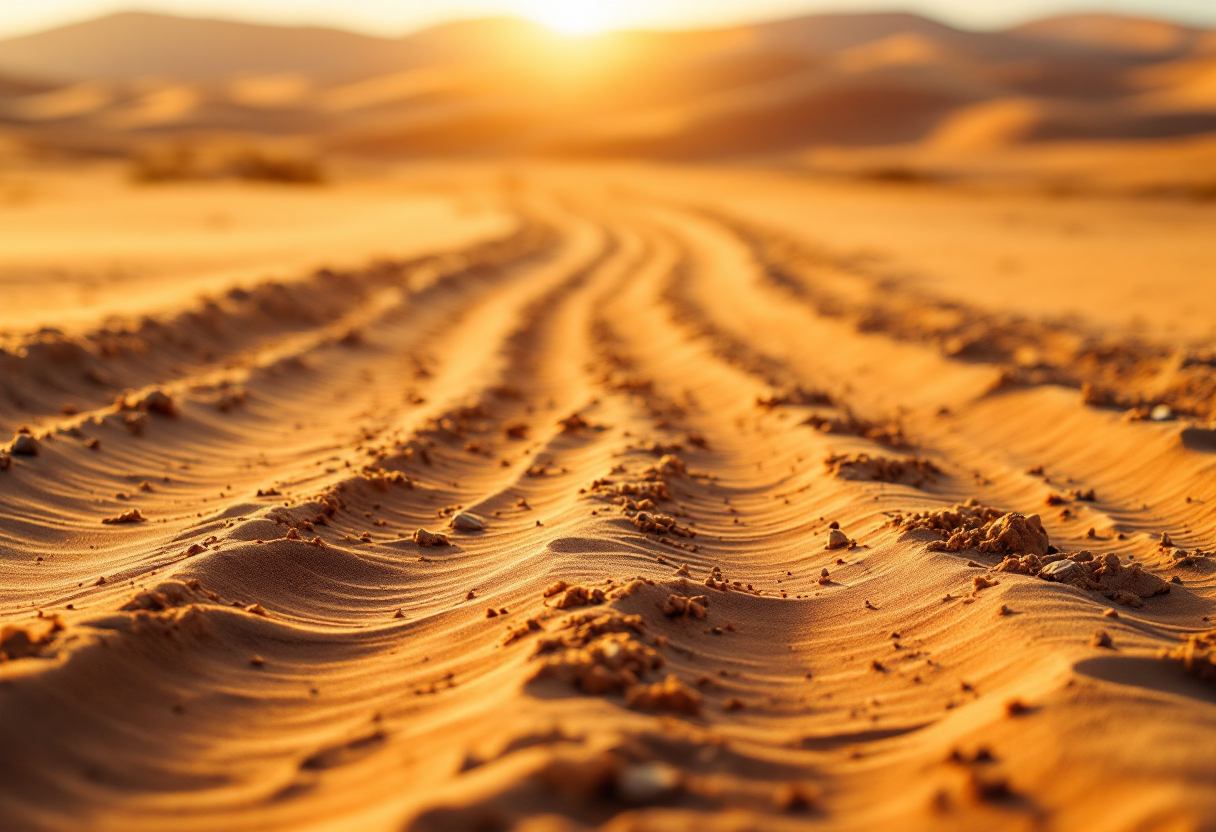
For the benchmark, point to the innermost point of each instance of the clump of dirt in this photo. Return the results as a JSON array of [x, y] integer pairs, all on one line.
[[654, 490], [677, 606], [381, 479], [573, 423], [638, 498], [457, 423], [1126, 585], [598, 653], [889, 434], [912, 470], [797, 395], [154, 401], [1197, 653], [718, 580], [668, 695], [168, 595], [26, 641], [660, 524], [668, 465], [577, 596], [983, 528], [132, 516]]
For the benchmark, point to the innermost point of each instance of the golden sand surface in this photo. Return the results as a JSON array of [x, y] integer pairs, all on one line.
[[544, 496]]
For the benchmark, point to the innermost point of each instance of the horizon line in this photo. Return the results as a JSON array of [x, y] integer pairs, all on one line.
[[706, 27]]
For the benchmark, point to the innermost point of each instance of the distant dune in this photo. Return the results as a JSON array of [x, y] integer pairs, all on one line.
[[127, 81]]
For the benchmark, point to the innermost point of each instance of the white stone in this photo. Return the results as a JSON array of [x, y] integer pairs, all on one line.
[[466, 522], [647, 782], [1061, 570], [1161, 413]]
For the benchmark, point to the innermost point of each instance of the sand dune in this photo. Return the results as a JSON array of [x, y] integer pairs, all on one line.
[[487, 86], [687, 441]]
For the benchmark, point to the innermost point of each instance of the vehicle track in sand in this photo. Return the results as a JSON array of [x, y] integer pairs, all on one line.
[[271, 649]]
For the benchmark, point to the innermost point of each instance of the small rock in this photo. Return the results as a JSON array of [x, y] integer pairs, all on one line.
[[1063, 571], [132, 516], [1161, 413], [794, 797], [424, 538], [26, 445], [1101, 639], [1016, 707], [466, 522], [158, 402], [647, 782], [837, 539]]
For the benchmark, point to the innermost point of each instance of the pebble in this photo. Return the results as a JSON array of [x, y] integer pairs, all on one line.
[[467, 522], [1161, 413], [647, 782], [837, 539], [425, 538], [1061, 570], [157, 401], [26, 445]]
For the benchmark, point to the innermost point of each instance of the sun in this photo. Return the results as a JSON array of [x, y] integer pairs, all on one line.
[[570, 17]]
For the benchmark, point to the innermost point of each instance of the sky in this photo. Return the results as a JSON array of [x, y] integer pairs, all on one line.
[[397, 17]]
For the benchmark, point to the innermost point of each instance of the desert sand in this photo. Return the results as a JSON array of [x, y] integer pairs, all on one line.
[[864, 487]]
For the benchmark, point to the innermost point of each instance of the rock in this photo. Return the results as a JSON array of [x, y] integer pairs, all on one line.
[[1064, 571], [132, 516], [26, 445], [647, 782], [158, 402], [580, 596], [424, 538], [837, 539], [466, 522], [1161, 413]]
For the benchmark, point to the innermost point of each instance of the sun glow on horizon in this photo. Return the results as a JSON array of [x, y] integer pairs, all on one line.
[[571, 17]]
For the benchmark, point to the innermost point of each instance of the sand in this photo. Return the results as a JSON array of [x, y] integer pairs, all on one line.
[[863, 486], [617, 502]]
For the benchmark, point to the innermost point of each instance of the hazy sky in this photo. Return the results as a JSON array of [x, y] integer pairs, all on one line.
[[394, 17]]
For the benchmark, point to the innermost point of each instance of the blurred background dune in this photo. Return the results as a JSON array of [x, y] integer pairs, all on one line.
[[854, 93]]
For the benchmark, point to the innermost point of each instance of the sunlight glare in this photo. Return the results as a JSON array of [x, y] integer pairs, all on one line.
[[571, 17]]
